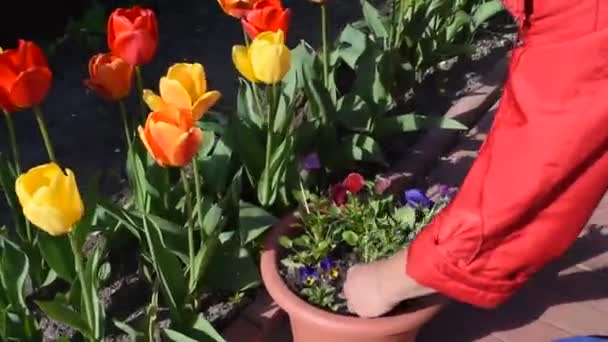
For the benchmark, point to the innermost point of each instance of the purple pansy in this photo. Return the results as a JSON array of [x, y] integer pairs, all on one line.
[[308, 275], [445, 191], [311, 161], [415, 198], [326, 264]]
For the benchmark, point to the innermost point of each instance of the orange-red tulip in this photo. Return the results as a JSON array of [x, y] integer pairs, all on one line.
[[110, 76], [237, 8], [171, 136], [25, 77], [133, 34], [266, 15]]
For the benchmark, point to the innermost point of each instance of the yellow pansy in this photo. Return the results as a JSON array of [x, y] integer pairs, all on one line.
[[267, 59], [50, 198], [184, 86]]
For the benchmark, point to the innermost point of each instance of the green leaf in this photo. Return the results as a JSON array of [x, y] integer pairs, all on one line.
[[302, 60], [270, 180], [253, 222], [57, 252], [231, 268], [207, 144], [486, 11], [134, 335], [322, 107], [14, 269], [350, 237], [374, 20], [360, 147], [212, 218], [247, 107], [201, 331], [64, 314], [92, 285], [169, 271], [461, 19], [414, 122], [247, 142], [352, 43], [406, 215], [285, 242]]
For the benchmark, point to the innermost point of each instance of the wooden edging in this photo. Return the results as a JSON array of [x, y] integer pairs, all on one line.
[[262, 317]]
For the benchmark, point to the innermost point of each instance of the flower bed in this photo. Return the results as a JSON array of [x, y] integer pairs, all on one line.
[[204, 186]]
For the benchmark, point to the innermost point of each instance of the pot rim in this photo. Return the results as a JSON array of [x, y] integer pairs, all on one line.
[[413, 318]]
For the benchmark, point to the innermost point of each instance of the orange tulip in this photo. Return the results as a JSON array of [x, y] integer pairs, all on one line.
[[133, 34], [171, 136], [110, 76], [25, 77], [237, 8]]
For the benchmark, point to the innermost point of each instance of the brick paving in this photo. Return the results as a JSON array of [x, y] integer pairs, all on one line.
[[569, 297]]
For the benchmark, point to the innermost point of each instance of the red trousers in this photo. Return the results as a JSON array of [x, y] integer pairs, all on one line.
[[543, 167]]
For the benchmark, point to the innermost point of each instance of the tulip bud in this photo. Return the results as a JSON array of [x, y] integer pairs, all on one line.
[[110, 76], [50, 198], [133, 34], [25, 77]]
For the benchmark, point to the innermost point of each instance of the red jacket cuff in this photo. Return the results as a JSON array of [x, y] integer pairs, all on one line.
[[430, 267]]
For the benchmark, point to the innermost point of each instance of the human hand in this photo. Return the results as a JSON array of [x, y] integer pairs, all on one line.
[[372, 290]]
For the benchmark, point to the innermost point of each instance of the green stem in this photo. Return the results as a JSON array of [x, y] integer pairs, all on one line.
[[84, 288], [13, 140], [140, 87], [44, 132], [199, 196], [245, 37], [269, 135], [189, 226], [125, 123], [325, 44]]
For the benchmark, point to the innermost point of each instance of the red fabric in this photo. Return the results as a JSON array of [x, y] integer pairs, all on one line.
[[542, 169]]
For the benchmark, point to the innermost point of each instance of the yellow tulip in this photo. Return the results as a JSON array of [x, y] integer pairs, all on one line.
[[184, 86], [267, 59], [50, 198]]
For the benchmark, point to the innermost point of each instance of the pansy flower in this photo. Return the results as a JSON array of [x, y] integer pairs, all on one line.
[[308, 275], [417, 199]]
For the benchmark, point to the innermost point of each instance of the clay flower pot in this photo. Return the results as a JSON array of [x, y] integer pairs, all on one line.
[[312, 324]]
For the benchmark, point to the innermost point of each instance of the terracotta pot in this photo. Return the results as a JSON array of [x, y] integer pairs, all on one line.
[[312, 324]]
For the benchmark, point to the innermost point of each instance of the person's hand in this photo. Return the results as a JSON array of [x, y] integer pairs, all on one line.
[[371, 290]]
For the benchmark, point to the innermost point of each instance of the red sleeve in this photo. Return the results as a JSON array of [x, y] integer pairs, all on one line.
[[540, 173]]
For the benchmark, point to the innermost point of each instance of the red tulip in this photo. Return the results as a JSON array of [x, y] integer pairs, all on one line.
[[266, 15], [110, 76], [133, 34], [25, 77], [354, 182]]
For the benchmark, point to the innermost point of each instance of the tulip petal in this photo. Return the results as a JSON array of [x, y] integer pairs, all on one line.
[[152, 148], [37, 177], [154, 102], [203, 104], [136, 47], [166, 137], [173, 92], [270, 60], [47, 218], [240, 58], [187, 146], [112, 77], [30, 87], [191, 77]]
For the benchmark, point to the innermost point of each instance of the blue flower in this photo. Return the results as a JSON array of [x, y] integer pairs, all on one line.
[[308, 275], [311, 161], [417, 199], [446, 192], [326, 264]]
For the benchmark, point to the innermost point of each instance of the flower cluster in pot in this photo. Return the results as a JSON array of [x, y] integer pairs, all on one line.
[[354, 221]]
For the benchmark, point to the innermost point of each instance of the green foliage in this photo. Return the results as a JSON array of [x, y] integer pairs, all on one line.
[[367, 228]]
